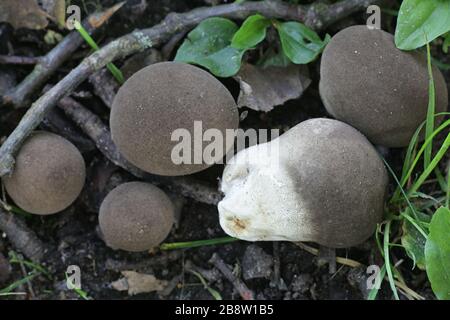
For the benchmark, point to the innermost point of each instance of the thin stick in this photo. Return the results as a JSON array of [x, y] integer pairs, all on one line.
[[47, 65], [23, 239], [340, 260], [18, 60], [313, 15], [239, 285]]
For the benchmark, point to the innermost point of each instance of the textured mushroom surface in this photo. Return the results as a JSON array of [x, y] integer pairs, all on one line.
[[380, 90], [48, 176], [136, 216], [321, 181], [164, 97]]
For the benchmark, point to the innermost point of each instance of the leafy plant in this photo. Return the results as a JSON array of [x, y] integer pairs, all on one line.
[[437, 253], [420, 22], [218, 44], [300, 44], [214, 293], [424, 235], [209, 45]]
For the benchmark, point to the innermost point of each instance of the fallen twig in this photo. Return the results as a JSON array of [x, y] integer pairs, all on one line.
[[23, 238], [48, 64], [145, 264], [4, 59], [316, 16], [239, 285]]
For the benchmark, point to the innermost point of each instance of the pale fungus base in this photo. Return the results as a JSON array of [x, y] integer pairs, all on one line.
[[327, 186], [136, 216], [380, 90], [48, 176], [160, 99]]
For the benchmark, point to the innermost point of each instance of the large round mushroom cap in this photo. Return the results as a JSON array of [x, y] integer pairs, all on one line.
[[164, 97], [48, 176], [321, 181], [136, 216], [380, 90]]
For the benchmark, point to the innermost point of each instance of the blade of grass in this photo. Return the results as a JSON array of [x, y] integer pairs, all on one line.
[[408, 165], [374, 291], [198, 243], [111, 66], [447, 198], [18, 283], [387, 230], [441, 179], [81, 293], [416, 160], [216, 295], [429, 127], [431, 166], [410, 205], [15, 259]]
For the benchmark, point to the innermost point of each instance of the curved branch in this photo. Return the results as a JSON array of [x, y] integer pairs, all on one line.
[[316, 16]]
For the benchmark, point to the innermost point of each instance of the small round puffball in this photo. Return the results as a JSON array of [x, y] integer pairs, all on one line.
[[380, 90], [48, 176], [136, 216], [156, 109]]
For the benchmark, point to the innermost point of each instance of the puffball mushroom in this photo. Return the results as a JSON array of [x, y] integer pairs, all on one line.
[[136, 216], [378, 89], [164, 97], [321, 181], [48, 176]]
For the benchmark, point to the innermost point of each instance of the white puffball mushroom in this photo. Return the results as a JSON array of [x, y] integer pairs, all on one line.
[[321, 181]]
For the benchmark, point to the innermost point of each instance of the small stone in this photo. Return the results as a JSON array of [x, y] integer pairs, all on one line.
[[256, 263]]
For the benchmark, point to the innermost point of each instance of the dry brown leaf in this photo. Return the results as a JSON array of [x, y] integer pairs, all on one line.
[[263, 89], [97, 20], [23, 14], [136, 283]]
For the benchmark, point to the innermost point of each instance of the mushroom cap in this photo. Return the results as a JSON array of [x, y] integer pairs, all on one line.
[[325, 184], [380, 90], [136, 216], [161, 98], [48, 176]]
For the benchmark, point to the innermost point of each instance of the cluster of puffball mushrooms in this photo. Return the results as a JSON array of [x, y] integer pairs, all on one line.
[[327, 185]]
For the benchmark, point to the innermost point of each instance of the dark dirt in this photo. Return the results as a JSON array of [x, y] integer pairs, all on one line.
[[73, 234]]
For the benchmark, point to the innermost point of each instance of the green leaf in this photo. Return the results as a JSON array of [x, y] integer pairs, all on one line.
[[252, 32], [414, 243], [208, 45], [300, 44], [420, 22], [437, 254], [273, 59]]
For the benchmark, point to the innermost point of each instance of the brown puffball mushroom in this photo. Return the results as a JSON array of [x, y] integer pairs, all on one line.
[[161, 98], [48, 175], [136, 216], [380, 90], [321, 181]]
